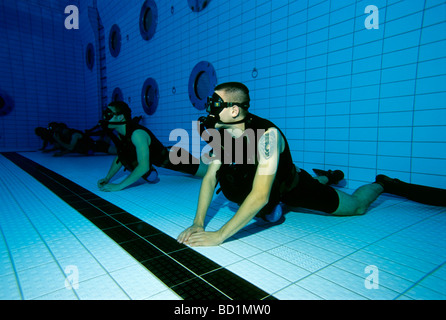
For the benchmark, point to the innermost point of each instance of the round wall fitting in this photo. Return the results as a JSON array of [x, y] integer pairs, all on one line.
[[255, 73], [6, 104], [117, 95], [197, 5], [89, 56], [150, 96], [114, 40], [202, 82], [148, 19]]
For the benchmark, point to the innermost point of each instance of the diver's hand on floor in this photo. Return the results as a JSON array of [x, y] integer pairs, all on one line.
[[204, 239], [184, 236], [110, 187], [102, 182]]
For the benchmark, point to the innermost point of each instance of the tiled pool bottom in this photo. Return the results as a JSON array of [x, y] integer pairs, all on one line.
[[395, 251]]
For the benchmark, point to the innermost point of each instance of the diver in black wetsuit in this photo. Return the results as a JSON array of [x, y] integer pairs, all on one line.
[[138, 150], [70, 140], [46, 135], [264, 178]]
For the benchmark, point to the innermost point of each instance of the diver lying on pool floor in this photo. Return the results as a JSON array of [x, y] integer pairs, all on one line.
[[138, 150], [261, 185]]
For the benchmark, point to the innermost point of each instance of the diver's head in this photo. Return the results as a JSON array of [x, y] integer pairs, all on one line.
[[117, 113], [57, 127], [43, 133], [228, 105]]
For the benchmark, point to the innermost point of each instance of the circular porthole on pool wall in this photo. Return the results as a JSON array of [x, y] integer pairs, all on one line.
[[117, 95], [202, 82], [197, 5], [150, 96], [148, 19], [6, 104], [114, 40], [89, 56]]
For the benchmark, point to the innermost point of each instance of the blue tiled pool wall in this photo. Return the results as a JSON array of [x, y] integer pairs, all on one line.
[[364, 100]]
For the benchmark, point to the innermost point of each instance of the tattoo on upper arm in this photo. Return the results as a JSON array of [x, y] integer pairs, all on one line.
[[267, 144]]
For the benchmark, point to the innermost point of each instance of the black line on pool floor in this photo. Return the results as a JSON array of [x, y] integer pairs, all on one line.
[[191, 275]]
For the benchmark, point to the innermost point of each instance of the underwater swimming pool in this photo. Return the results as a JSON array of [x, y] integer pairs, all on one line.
[[50, 250]]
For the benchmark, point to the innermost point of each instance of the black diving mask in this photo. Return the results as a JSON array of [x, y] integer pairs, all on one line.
[[107, 115], [215, 105]]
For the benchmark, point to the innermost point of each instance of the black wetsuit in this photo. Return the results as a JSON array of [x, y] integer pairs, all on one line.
[[159, 154], [84, 145], [292, 185]]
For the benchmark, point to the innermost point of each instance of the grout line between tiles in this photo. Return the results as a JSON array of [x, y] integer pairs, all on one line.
[[372, 243], [51, 252], [419, 280], [12, 264], [48, 177]]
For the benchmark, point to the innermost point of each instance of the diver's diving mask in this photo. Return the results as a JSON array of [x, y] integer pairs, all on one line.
[[107, 115], [215, 105]]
